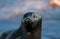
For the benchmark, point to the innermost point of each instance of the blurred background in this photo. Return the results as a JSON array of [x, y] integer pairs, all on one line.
[[11, 13]]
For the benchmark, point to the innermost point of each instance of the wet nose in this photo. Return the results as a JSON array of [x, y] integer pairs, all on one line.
[[28, 20]]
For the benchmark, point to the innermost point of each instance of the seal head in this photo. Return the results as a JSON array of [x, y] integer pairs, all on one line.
[[31, 21]]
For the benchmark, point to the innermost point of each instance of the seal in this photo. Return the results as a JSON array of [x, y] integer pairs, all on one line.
[[30, 27], [31, 24]]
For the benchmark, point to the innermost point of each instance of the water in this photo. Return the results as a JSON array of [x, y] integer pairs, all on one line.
[[50, 24], [51, 29]]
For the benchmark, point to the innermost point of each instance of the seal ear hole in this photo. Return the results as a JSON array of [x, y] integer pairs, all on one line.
[[34, 16]]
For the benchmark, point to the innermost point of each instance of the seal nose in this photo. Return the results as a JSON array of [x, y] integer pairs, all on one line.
[[28, 20]]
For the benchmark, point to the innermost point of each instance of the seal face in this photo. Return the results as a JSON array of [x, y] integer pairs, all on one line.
[[32, 23]]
